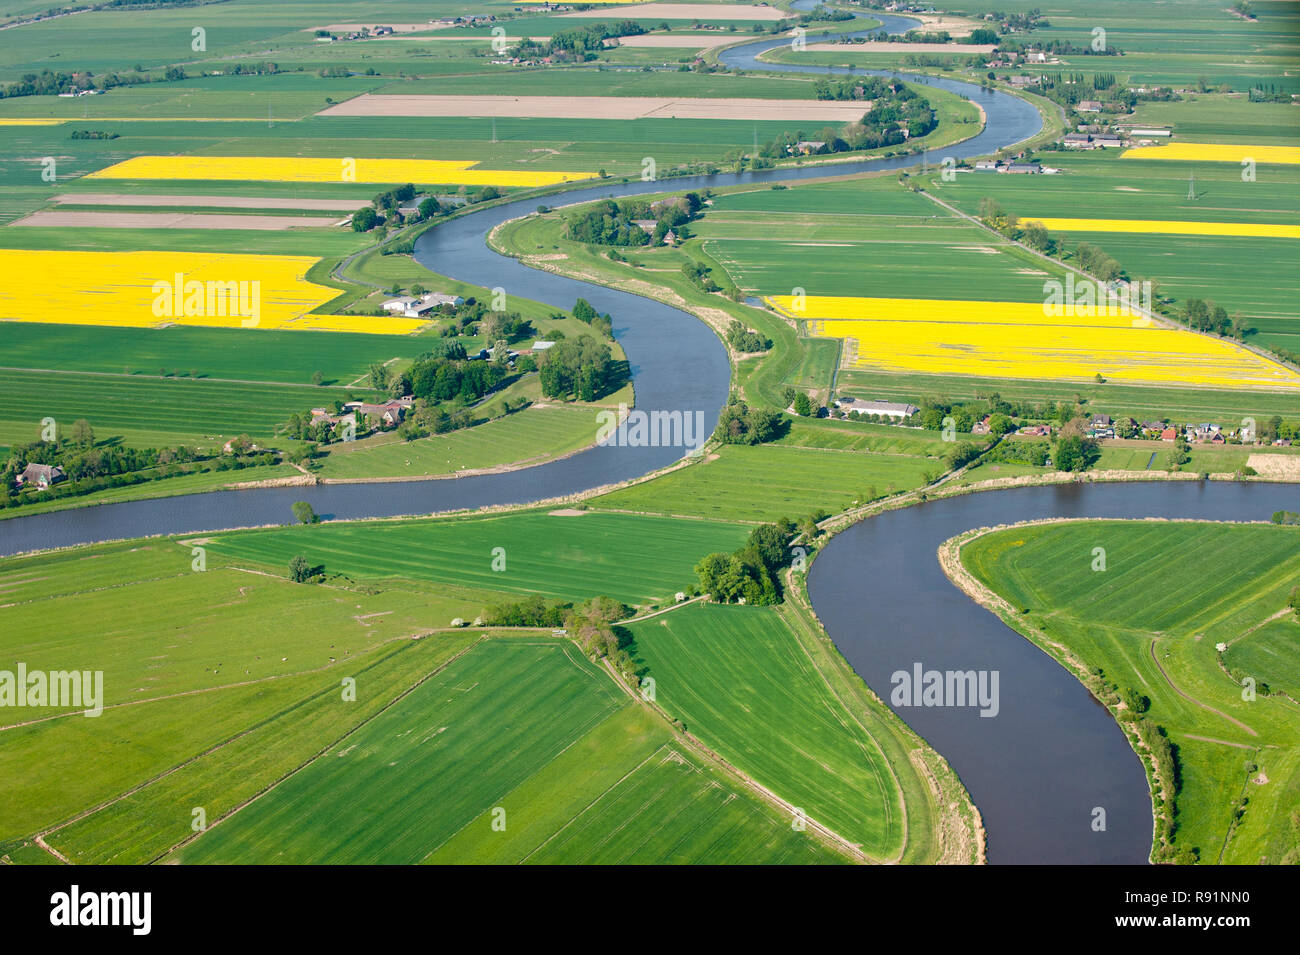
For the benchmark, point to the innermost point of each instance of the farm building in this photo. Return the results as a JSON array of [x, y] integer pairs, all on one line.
[[40, 475], [409, 307], [889, 409]]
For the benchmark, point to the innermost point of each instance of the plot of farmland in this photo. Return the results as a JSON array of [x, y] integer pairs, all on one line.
[[1018, 340], [217, 202], [629, 558], [595, 107], [424, 768], [1216, 152], [320, 169], [149, 289], [169, 220], [1167, 227], [737, 678], [770, 482]]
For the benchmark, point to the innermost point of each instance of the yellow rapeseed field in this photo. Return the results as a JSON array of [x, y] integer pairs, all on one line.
[[1017, 340], [1258, 230], [320, 169], [31, 122], [147, 289], [1215, 152]]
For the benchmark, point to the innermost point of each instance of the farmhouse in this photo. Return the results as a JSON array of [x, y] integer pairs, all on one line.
[[986, 165], [1088, 106], [1021, 167], [888, 409], [1037, 430], [40, 475], [409, 307]]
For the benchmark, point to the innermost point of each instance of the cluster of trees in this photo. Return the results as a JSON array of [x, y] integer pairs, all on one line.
[[80, 458], [745, 340], [385, 209], [51, 83], [590, 624], [1288, 517], [92, 134], [614, 223], [1076, 453], [1036, 453], [1207, 317], [751, 574], [90, 467], [585, 312], [740, 424], [1268, 94], [897, 113], [453, 376], [302, 570], [579, 43], [583, 367], [1069, 89], [1093, 259]]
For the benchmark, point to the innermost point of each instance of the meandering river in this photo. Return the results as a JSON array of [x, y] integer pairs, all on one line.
[[1036, 770]]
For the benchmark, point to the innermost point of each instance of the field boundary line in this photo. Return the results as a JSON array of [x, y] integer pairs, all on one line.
[[783, 807], [186, 762], [322, 751]]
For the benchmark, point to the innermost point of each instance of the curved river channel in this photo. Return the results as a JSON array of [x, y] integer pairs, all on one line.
[[1036, 770]]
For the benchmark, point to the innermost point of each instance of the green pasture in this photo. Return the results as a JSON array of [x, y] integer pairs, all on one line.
[[736, 677], [769, 482], [634, 559]]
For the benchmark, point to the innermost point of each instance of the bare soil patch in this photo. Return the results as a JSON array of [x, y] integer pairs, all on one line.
[[1284, 467], [209, 202], [600, 107]]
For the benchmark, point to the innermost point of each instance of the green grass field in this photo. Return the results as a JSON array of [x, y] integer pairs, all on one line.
[[736, 678], [1272, 650], [633, 559], [769, 482], [862, 237], [527, 436], [153, 411], [485, 741], [1172, 593]]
